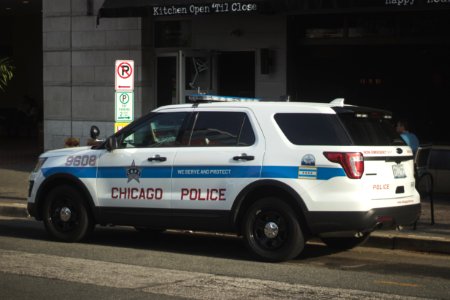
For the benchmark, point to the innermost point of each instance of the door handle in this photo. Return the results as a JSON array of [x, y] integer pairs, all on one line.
[[244, 156], [157, 158]]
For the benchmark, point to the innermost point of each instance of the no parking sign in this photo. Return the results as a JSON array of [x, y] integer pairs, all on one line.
[[124, 72]]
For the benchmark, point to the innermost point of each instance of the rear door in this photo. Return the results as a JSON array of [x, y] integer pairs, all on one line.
[[388, 161], [222, 154]]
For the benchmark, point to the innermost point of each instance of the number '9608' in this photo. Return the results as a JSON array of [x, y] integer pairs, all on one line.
[[81, 160]]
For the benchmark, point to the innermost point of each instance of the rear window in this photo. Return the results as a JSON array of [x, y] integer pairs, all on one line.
[[370, 129], [312, 129]]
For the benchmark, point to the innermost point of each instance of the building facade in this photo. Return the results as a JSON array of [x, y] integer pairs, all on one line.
[[387, 54]]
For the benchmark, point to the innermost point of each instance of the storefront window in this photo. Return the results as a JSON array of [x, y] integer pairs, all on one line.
[[197, 73], [339, 26], [172, 34]]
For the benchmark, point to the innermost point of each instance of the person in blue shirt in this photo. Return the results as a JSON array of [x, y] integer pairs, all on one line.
[[409, 137]]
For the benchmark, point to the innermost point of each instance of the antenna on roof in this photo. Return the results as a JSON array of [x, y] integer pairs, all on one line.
[[285, 98], [338, 102]]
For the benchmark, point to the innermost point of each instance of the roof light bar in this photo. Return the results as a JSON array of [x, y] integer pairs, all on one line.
[[215, 98]]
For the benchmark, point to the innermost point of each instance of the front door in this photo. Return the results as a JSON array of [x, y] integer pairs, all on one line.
[[138, 173]]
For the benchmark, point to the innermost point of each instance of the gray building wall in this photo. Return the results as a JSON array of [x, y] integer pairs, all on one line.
[[78, 67]]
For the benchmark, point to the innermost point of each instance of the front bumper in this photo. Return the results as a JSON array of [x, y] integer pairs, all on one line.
[[367, 221]]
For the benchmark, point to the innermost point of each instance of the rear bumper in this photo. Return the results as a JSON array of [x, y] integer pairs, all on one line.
[[367, 221]]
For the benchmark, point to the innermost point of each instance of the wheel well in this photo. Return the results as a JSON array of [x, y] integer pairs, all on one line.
[[58, 180], [285, 193]]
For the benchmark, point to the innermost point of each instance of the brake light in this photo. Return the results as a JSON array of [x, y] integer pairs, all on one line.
[[352, 162]]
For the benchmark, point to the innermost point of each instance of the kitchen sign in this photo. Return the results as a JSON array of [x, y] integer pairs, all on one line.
[[211, 8]]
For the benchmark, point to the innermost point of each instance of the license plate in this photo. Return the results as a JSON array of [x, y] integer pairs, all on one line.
[[399, 171]]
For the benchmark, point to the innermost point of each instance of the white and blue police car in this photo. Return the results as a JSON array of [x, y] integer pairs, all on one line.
[[276, 173]]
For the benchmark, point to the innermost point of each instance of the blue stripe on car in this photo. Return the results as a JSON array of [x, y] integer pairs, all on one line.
[[80, 172], [323, 173]]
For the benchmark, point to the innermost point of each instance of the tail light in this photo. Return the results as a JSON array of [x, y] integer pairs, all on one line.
[[352, 162]]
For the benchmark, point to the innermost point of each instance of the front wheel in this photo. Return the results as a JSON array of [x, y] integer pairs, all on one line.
[[272, 231], [345, 243], [65, 214]]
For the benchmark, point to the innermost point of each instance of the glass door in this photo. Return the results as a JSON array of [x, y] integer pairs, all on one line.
[[182, 73], [166, 79], [197, 75]]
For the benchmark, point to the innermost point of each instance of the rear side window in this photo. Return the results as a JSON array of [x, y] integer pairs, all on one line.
[[370, 129], [218, 129], [312, 129]]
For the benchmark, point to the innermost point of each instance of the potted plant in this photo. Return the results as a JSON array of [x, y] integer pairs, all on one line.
[[6, 71]]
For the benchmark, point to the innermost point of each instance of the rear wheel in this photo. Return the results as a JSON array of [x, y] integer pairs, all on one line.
[[345, 243], [272, 231], [65, 214]]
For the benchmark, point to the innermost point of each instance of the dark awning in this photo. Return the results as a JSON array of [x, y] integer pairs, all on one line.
[[144, 8]]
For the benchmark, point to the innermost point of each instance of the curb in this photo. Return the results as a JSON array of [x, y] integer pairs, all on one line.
[[409, 242], [378, 239], [14, 210]]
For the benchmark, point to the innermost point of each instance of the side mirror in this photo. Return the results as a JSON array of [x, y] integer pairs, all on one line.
[[95, 132], [111, 143]]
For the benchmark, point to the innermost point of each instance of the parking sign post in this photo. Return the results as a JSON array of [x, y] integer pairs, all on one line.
[[124, 107], [124, 96]]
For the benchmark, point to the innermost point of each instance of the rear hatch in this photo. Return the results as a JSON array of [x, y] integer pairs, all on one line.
[[388, 161]]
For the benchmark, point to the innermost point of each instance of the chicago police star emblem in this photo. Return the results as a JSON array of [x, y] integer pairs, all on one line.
[[133, 173]]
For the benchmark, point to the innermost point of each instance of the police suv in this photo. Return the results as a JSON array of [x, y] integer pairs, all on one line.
[[277, 173]]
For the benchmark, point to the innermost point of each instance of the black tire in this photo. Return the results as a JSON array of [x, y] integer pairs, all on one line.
[[79, 222], [345, 243], [283, 241]]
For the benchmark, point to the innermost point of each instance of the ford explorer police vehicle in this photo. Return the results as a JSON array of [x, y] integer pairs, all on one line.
[[277, 173]]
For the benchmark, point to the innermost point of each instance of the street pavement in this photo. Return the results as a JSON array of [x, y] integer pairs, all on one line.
[[18, 157]]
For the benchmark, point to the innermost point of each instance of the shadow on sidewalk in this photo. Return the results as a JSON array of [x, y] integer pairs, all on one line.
[[19, 154], [439, 211]]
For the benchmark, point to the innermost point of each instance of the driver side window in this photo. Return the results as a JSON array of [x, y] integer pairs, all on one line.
[[161, 130]]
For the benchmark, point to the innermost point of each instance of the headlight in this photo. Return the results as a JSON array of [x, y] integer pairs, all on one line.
[[39, 164]]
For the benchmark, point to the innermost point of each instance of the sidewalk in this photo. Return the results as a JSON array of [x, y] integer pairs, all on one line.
[[16, 165], [425, 237]]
